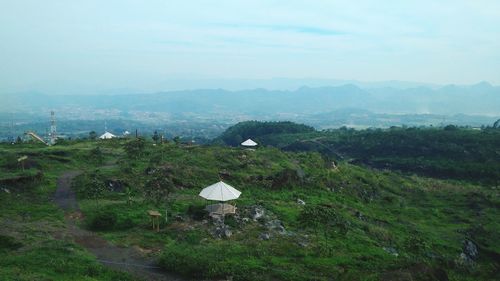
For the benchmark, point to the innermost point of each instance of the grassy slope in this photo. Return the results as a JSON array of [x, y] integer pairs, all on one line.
[[397, 211], [425, 220], [458, 153], [30, 222]]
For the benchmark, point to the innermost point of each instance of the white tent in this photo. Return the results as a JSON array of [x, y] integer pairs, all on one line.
[[107, 135], [249, 142], [220, 191]]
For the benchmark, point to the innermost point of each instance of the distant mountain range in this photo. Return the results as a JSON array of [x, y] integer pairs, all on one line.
[[478, 99]]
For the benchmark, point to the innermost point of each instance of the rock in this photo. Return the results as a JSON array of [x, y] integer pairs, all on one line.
[[468, 256], [227, 233], [359, 215], [276, 225], [303, 244], [301, 174], [115, 185], [470, 249], [224, 175], [217, 220], [257, 213], [265, 236], [391, 251], [281, 229], [222, 232], [300, 202], [464, 261]]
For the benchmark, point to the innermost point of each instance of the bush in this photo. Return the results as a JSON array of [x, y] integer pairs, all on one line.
[[103, 220], [9, 243], [126, 224], [197, 212]]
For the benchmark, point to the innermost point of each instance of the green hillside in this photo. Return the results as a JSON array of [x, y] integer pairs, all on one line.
[[448, 153], [298, 218]]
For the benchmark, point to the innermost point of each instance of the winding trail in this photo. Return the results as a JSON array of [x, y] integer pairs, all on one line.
[[124, 259]]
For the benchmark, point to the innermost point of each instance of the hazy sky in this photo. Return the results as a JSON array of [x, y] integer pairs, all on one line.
[[73, 46]]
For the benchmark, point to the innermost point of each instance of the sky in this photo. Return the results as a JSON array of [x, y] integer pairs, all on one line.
[[89, 46]]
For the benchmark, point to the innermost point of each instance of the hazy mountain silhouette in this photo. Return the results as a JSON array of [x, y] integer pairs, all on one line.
[[480, 99]]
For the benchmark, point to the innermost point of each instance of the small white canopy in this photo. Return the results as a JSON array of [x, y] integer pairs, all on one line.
[[107, 135], [249, 142], [220, 191]]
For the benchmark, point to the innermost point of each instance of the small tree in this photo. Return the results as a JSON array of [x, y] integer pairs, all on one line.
[[92, 135], [130, 195], [326, 219], [135, 147], [96, 155], [496, 125], [155, 137], [159, 188], [416, 246], [95, 188]]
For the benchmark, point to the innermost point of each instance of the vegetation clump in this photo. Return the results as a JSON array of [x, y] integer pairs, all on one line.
[[254, 129]]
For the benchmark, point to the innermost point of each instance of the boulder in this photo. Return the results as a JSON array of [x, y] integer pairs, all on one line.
[[301, 202], [115, 185], [359, 215], [257, 212], [303, 243], [464, 261], [224, 175], [470, 249], [217, 219], [277, 226], [391, 251], [222, 231], [265, 236]]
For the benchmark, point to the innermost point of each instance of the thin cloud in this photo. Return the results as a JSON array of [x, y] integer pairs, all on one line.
[[314, 30]]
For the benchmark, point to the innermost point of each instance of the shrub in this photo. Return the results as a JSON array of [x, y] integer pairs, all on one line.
[[197, 212], [9, 243], [126, 224], [231, 221], [103, 220]]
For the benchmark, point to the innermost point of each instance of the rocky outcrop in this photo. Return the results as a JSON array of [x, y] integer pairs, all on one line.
[[466, 259]]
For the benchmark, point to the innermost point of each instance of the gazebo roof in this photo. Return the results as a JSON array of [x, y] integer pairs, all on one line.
[[220, 191], [249, 142], [107, 135]]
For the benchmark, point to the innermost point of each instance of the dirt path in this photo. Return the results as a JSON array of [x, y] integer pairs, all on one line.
[[124, 259]]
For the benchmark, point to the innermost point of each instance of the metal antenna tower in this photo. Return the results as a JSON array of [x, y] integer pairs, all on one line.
[[12, 138], [53, 128]]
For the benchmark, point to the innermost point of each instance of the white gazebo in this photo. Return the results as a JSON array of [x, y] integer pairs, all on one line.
[[249, 143], [221, 192], [107, 135]]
